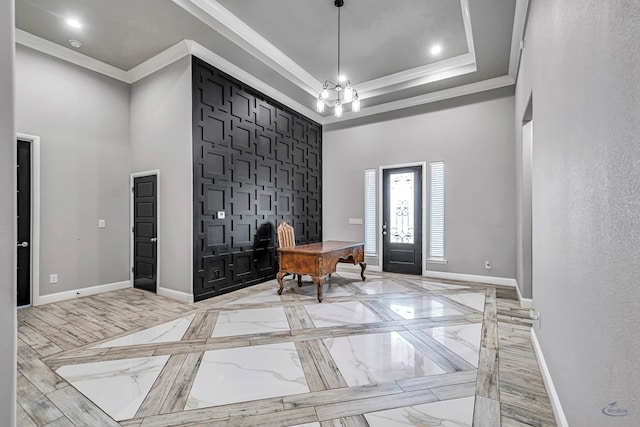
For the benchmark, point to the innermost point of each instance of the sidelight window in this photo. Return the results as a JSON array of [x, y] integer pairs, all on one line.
[[436, 210], [370, 235]]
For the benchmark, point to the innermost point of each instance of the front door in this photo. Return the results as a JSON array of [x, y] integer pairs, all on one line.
[[24, 223], [402, 220], [145, 227]]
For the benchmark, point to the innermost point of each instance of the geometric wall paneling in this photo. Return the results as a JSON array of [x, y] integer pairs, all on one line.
[[259, 163]]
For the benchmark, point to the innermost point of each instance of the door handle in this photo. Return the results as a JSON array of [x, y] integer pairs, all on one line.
[[154, 239], [384, 229], [23, 244]]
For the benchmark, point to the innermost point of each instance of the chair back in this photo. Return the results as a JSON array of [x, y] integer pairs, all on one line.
[[286, 235]]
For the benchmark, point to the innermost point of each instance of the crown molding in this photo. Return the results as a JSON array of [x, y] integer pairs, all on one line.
[[440, 95], [45, 46], [161, 60], [229, 25], [517, 36], [225, 66], [220, 19]]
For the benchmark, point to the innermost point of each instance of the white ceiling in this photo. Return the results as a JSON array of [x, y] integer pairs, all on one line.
[[287, 48]]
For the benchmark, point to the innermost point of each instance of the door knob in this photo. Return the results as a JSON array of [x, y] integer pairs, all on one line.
[[23, 244], [154, 239]]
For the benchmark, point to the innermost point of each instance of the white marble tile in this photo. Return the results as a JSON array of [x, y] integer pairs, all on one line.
[[165, 332], [250, 321], [310, 290], [340, 313], [378, 358], [447, 413], [118, 387], [374, 287], [353, 275], [419, 307], [464, 340], [472, 299], [436, 286], [269, 295], [247, 373], [307, 425]]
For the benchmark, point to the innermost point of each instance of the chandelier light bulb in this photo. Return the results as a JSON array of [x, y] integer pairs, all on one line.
[[320, 105], [355, 106], [325, 92], [338, 110], [348, 93]]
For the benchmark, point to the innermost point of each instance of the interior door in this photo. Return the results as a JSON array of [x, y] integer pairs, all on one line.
[[402, 220], [24, 223], [145, 227]]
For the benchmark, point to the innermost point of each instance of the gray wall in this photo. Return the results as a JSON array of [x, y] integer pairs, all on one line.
[[82, 119], [8, 326], [161, 139], [581, 63], [475, 141]]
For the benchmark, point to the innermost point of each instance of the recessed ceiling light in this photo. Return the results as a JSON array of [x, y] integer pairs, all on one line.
[[72, 22], [436, 49], [75, 43], [342, 78]]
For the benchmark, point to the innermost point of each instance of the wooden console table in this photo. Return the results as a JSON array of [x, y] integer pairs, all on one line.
[[319, 260]]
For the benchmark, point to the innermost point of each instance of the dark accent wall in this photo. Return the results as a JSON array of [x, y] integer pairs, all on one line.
[[259, 163]]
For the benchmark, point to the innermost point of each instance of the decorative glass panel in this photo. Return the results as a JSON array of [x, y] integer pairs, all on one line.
[[401, 205]]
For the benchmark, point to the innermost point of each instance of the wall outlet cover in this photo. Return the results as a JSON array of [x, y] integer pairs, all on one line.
[[53, 278], [356, 221], [220, 215], [102, 223]]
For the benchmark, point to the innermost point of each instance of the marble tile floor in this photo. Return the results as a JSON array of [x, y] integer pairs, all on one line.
[[392, 351]]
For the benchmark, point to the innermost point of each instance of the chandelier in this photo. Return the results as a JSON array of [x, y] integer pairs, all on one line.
[[343, 94]]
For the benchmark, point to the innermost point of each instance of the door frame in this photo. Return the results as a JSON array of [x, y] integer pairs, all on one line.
[[34, 245], [132, 176], [381, 170]]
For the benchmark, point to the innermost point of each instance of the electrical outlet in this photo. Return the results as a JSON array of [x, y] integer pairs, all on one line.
[[53, 278], [536, 317], [487, 264], [220, 215]]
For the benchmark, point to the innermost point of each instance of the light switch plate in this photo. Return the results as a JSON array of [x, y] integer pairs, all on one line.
[[53, 278], [102, 223], [220, 215]]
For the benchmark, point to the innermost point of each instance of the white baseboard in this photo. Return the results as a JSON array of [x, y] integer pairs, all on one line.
[[524, 302], [490, 280], [561, 420], [82, 292], [177, 295]]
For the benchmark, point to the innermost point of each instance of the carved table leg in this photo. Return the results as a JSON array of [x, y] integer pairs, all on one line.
[[363, 265], [319, 281], [279, 276]]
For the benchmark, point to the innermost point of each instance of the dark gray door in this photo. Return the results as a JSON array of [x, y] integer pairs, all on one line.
[[145, 227], [24, 223], [402, 220]]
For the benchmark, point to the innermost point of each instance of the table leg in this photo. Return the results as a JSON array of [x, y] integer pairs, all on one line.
[[319, 281], [299, 280], [363, 265], [279, 276]]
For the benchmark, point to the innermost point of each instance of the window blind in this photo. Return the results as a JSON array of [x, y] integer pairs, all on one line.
[[436, 214], [370, 235]]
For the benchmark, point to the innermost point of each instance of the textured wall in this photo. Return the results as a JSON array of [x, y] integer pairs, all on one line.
[[161, 139], [82, 119], [8, 325], [476, 143], [581, 63], [260, 164]]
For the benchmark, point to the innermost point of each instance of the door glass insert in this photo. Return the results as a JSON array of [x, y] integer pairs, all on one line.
[[401, 207]]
